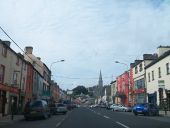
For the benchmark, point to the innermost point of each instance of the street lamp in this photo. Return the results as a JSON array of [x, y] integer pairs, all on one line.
[[51, 73], [122, 63], [55, 62]]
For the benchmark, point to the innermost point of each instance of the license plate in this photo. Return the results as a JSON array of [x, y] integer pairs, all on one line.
[[33, 112], [139, 111]]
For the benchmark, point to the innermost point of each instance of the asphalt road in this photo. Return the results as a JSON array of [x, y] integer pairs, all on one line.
[[94, 118], [102, 118]]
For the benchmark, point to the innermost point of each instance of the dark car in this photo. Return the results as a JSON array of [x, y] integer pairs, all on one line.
[[36, 109], [146, 109]]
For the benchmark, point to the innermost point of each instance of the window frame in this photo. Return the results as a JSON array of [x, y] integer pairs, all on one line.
[[167, 69], [4, 51], [153, 78], [2, 67], [159, 72]]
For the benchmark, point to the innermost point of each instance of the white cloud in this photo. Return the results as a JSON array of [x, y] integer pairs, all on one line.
[[89, 34]]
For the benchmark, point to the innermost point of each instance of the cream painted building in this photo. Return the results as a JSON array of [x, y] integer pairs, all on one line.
[[139, 77], [113, 90], [158, 77], [13, 74]]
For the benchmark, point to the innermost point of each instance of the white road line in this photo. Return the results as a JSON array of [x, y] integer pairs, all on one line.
[[122, 125], [58, 124], [106, 117]]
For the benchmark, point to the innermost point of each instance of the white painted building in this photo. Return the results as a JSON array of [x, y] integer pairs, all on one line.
[[139, 77], [158, 77]]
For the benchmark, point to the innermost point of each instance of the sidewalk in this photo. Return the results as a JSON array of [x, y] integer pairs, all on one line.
[[7, 119], [162, 113]]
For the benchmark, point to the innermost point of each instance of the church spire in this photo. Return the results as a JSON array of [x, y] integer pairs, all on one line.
[[100, 79]]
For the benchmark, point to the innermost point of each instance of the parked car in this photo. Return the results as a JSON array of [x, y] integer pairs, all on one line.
[[119, 107], [59, 108], [146, 109], [127, 108], [36, 109], [112, 106]]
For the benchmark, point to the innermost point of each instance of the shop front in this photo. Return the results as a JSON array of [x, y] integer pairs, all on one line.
[[7, 95], [140, 96]]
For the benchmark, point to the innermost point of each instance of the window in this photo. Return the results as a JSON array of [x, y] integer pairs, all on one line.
[[17, 63], [23, 84], [4, 51], [167, 69], [2, 73], [159, 72], [152, 75], [24, 64], [149, 77], [140, 67], [136, 70], [15, 77]]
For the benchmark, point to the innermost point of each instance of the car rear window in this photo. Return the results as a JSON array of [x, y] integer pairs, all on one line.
[[60, 105], [36, 104]]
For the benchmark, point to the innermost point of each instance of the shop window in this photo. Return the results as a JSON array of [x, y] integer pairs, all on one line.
[[2, 73], [4, 51], [167, 69]]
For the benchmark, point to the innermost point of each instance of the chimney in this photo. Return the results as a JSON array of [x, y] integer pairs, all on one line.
[[8, 43], [29, 49], [137, 62], [162, 49], [149, 56], [38, 58], [132, 65]]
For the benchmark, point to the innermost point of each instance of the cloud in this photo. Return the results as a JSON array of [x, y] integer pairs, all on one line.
[[89, 34]]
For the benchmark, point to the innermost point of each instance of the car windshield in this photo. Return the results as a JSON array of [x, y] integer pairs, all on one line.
[[84, 63]]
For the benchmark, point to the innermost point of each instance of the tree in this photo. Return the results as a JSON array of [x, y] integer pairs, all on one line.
[[80, 89]]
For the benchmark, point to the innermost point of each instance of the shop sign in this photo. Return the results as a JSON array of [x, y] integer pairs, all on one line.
[[142, 90], [161, 84], [9, 88]]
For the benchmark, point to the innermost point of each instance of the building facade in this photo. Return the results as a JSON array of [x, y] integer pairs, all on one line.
[[158, 78], [122, 89]]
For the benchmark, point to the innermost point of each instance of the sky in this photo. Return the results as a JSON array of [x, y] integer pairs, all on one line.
[[90, 35]]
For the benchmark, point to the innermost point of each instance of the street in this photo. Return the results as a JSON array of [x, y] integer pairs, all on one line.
[[94, 118]]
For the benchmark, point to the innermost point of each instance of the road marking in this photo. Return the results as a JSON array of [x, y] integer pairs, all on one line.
[[106, 117], [122, 124], [58, 124]]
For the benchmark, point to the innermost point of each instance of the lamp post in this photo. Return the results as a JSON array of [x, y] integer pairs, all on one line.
[[128, 76], [122, 64], [51, 73], [55, 62]]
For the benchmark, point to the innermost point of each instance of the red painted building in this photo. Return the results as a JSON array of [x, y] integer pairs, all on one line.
[[131, 88], [122, 88], [29, 82]]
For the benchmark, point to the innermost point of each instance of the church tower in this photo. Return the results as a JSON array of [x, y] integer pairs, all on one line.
[[100, 86], [100, 83]]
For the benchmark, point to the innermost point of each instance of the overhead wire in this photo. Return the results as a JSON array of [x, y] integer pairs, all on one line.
[[18, 45]]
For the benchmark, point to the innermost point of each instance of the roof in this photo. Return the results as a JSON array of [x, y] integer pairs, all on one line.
[[159, 58]]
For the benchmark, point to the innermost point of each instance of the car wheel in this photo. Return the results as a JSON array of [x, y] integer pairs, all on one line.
[[135, 113], [45, 116]]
